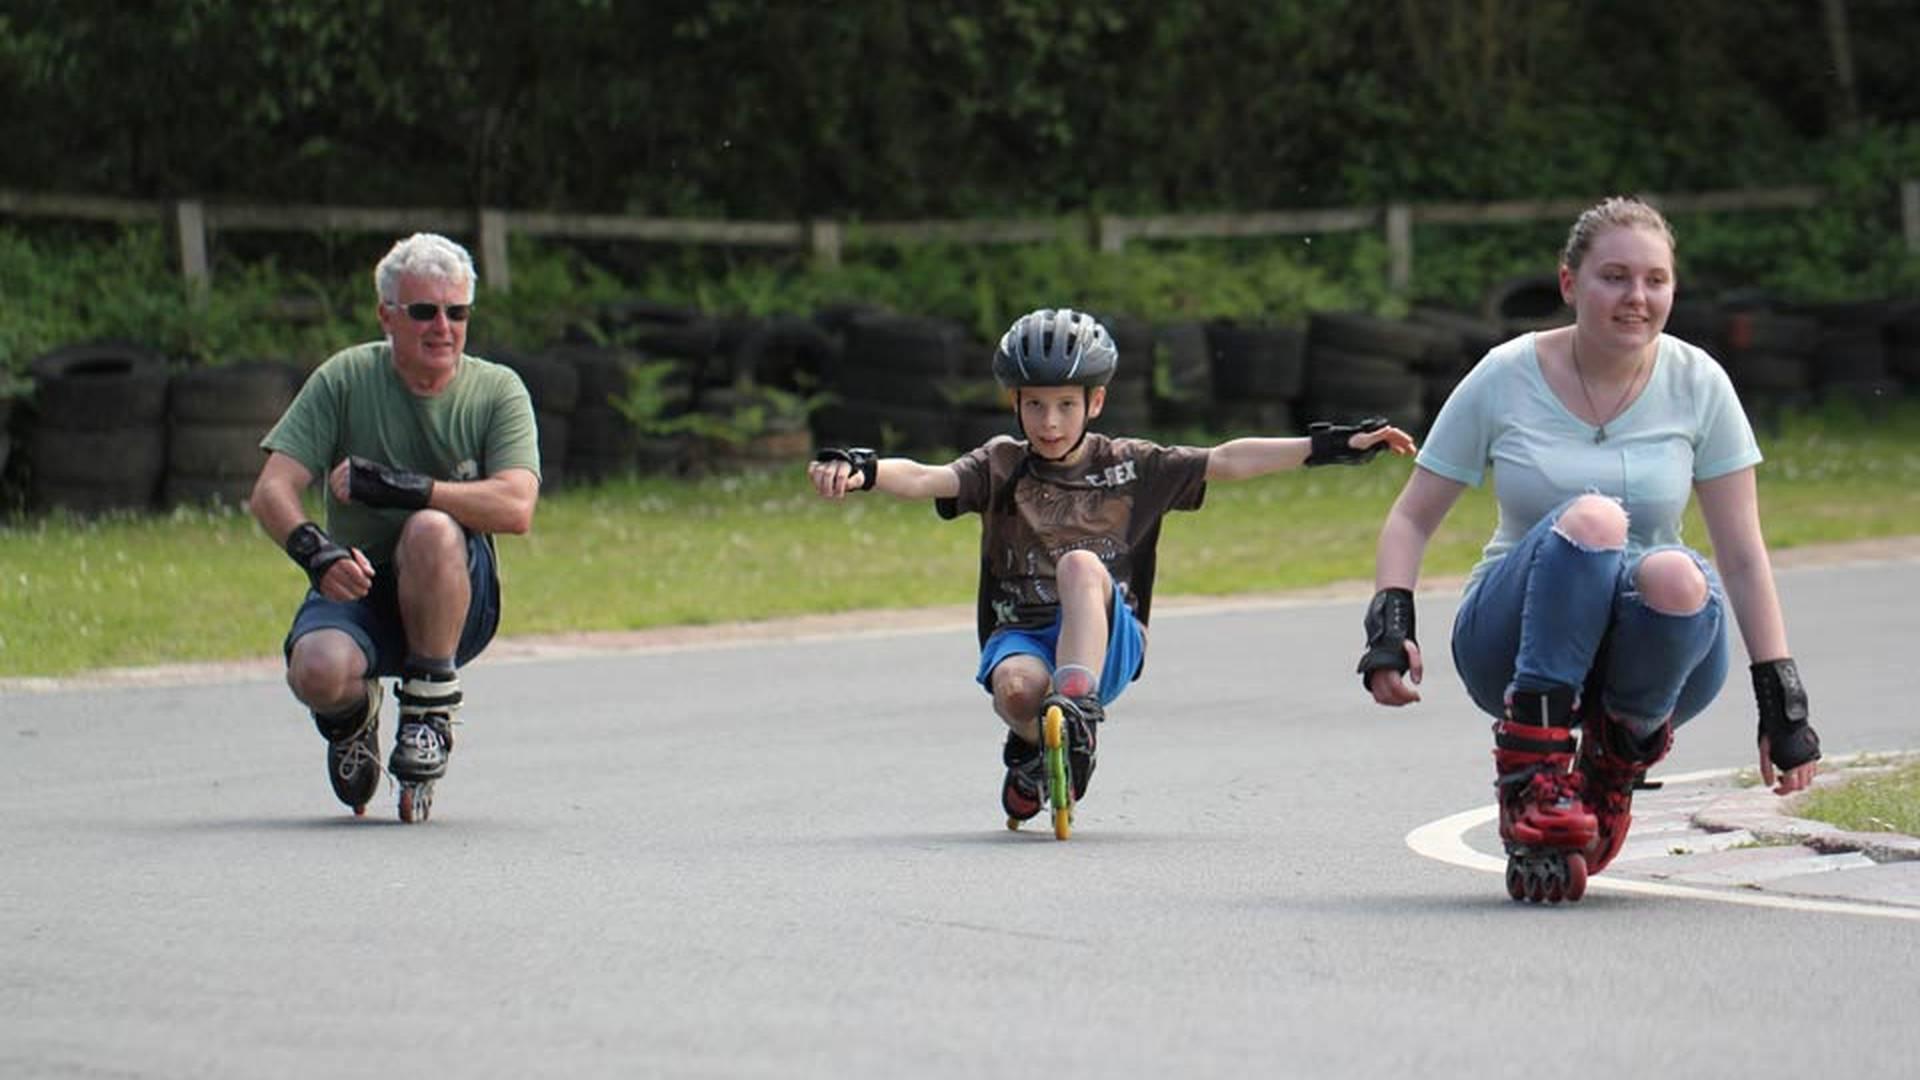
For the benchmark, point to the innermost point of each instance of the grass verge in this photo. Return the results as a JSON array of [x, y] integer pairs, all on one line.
[[1878, 802], [200, 585]]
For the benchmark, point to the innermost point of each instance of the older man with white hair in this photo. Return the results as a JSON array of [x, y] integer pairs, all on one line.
[[427, 452]]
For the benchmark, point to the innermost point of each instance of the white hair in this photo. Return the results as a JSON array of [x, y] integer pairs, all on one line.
[[427, 255]]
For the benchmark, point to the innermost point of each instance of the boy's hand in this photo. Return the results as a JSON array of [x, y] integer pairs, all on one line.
[[1397, 441], [1354, 444], [835, 472]]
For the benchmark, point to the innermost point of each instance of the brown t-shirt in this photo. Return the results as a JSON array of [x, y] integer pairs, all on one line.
[[1110, 503]]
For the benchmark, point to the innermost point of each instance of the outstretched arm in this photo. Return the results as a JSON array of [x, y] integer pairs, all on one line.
[[1240, 459], [1789, 748], [1422, 505], [842, 473]]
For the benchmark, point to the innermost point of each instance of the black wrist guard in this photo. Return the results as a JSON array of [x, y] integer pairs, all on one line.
[[370, 483], [864, 461], [313, 551], [1782, 698], [1330, 446], [1389, 628]]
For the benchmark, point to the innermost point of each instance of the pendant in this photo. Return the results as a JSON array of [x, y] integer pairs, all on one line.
[[1599, 434]]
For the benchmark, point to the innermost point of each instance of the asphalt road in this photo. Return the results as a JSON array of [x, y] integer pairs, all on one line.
[[787, 859]]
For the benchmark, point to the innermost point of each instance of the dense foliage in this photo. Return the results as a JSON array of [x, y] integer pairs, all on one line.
[[884, 108]]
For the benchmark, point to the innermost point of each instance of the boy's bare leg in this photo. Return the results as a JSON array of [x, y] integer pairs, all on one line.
[[1086, 590], [1019, 684]]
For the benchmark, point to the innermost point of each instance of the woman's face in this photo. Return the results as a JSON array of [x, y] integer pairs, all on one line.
[[1623, 290]]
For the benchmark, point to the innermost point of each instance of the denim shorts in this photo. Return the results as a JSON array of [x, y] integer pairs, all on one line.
[[1126, 649], [373, 621]]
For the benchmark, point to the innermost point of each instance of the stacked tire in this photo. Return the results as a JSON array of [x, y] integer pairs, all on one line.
[[1360, 365], [602, 442], [216, 417], [1457, 342], [1528, 302], [1257, 372], [903, 383], [99, 436], [553, 385], [1851, 357], [1767, 357], [1183, 375], [1129, 407], [1903, 347]]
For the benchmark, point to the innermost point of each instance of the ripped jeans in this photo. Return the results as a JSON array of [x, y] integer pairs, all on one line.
[[1536, 619]]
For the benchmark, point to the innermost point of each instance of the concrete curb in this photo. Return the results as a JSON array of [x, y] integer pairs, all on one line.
[[1768, 817]]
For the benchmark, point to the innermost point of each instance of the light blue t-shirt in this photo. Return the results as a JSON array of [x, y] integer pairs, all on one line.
[[1685, 427]]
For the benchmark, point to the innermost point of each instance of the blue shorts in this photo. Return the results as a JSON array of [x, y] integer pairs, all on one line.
[[373, 621], [1126, 649]]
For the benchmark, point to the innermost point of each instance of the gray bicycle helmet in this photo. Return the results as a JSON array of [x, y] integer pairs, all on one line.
[[1055, 348]]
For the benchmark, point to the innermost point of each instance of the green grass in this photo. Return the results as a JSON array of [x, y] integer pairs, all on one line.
[[196, 585], [1881, 802]]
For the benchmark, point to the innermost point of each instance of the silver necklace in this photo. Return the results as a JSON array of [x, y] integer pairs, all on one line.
[[1600, 428]]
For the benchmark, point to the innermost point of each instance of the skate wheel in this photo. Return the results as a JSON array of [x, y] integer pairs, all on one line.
[[1013, 824], [1576, 876], [1536, 885], [1059, 785], [1516, 882], [360, 811], [416, 802]]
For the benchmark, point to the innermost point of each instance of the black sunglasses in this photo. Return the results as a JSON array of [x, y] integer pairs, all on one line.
[[421, 311]]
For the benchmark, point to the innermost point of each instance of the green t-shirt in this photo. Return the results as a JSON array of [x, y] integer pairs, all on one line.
[[481, 425]]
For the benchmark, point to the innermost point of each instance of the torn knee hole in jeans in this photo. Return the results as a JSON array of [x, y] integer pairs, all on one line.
[[1580, 545]]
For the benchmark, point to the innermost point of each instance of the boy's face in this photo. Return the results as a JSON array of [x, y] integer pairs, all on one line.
[[1054, 417]]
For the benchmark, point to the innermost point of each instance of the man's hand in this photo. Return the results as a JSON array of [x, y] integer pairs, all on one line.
[[336, 572], [369, 483]]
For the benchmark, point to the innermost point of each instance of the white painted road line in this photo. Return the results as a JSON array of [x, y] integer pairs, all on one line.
[[1445, 840]]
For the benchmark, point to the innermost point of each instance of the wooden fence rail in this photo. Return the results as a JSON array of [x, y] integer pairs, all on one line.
[[193, 223]]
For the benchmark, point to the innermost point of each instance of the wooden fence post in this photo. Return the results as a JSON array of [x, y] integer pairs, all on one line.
[[1399, 247], [190, 234], [493, 251], [1109, 235], [824, 239]]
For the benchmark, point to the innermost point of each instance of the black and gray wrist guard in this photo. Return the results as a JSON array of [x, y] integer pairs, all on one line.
[[1782, 698], [1330, 446], [1389, 628], [864, 461], [370, 483], [313, 551]]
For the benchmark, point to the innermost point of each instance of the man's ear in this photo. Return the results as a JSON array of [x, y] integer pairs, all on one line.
[[1096, 400]]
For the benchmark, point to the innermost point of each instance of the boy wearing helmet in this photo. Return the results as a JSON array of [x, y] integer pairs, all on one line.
[[1070, 523]]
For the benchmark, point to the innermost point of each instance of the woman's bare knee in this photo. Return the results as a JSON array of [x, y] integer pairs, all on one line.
[[1671, 583], [1593, 521]]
